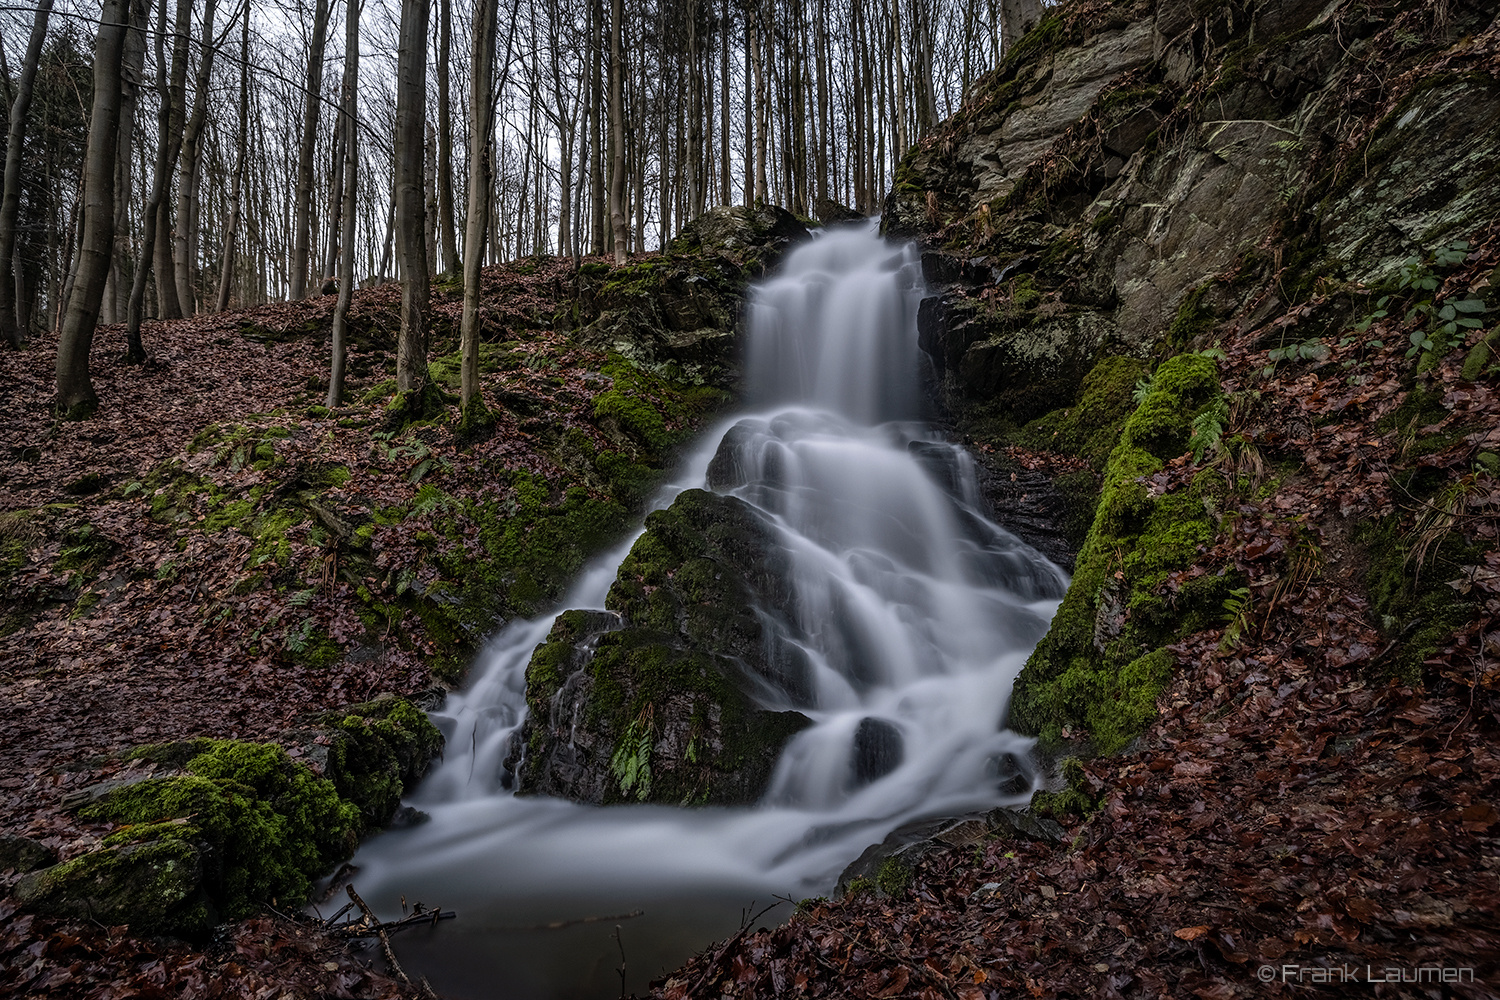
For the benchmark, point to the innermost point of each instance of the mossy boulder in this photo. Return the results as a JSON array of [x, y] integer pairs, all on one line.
[[1100, 667], [682, 308], [232, 825], [655, 700], [156, 886]]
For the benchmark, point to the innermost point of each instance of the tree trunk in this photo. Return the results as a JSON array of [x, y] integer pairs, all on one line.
[[757, 59], [302, 216], [76, 399], [349, 125], [725, 195], [152, 245], [1016, 18], [132, 67], [481, 125], [411, 225], [185, 241], [445, 157], [226, 271], [617, 130], [10, 329]]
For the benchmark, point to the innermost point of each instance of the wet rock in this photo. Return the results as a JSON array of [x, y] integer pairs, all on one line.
[[878, 750], [23, 855], [154, 887], [684, 306], [663, 699], [908, 844]]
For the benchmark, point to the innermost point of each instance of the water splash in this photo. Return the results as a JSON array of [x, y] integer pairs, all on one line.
[[914, 612]]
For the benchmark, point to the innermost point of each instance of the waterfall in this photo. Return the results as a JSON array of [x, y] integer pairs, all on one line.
[[915, 611]]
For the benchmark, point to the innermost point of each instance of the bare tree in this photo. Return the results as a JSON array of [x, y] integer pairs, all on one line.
[[348, 122], [617, 131], [167, 146], [1017, 17], [302, 212], [20, 107], [226, 270], [411, 225], [76, 399]]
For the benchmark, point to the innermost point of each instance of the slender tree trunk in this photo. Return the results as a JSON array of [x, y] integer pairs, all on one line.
[[481, 128], [617, 129], [411, 226], [175, 96], [726, 196], [226, 271], [1016, 18], [302, 215], [348, 123], [445, 157], [76, 399], [132, 67], [330, 266], [757, 59], [167, 136], [185, 242], [10, 329]]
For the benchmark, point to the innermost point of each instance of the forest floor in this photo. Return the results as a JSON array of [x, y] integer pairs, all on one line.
[[1295, 808]]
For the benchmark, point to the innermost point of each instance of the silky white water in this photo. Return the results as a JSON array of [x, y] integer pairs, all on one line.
[[915, 611]]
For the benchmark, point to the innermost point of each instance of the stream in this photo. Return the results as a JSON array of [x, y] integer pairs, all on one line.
[[916, 610]]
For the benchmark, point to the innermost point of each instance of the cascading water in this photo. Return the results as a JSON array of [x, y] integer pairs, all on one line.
[[914, 613]]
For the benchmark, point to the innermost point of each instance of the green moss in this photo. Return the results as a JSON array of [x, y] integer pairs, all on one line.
[[893, 876], [1417, 611], [1073, 799], [378, 392], [1091, 427], [154, 886], [270, 823], [1091, 672], [1193, 319]]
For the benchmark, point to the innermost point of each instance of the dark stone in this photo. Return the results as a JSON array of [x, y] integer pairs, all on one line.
[[831, 213], [155, 886], [1130, 134], [23, 855], [665, 699], [914, 841], [726, 470], [878, 750]]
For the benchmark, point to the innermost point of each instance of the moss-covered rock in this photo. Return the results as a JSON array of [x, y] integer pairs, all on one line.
[[234, 825], [1099, 669], [155, 887], [652, 703]]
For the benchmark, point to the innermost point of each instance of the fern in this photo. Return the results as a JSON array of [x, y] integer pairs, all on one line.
[[631, 763], [1208, 428]]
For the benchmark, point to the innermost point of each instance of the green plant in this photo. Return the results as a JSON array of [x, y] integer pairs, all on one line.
[[1311, 349], [1236, 616], [1441, 320], [631, 763], [1208, 428]]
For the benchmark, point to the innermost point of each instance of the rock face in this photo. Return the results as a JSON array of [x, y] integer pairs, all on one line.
[[1110, 188], [1135, 183], [683, 308], [659, 699]]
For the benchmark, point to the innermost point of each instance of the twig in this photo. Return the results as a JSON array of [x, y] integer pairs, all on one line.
[[621, 970], [385, 942], [559, 924]]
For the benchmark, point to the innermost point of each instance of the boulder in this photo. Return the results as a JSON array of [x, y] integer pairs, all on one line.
[[155, 887], [663, 698]]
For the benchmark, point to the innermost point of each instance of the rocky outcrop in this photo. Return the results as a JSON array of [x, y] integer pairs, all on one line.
[[682, 308], [1136, 183], [1112, 188], [660, 698]]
